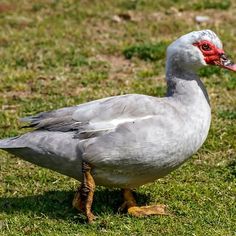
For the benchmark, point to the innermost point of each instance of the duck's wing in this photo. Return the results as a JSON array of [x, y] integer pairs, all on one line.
[[135, 152], [100, 115]]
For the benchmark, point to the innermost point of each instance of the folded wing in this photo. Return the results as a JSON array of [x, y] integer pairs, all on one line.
[[97, 117]]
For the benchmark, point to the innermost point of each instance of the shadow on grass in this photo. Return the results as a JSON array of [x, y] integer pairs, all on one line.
[[58, 204]]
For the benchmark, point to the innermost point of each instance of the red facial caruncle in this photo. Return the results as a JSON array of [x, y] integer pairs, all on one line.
[[214, 56]]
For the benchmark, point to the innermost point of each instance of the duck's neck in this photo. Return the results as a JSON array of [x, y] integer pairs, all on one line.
[[185, 85]]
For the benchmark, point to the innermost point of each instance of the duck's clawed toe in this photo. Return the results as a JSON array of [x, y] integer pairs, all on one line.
[[91, 217], [148, 210]]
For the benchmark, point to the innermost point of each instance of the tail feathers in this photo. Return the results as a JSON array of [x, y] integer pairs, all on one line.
[[9, 143]]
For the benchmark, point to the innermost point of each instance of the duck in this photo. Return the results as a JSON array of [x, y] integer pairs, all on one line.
[[129, 140]]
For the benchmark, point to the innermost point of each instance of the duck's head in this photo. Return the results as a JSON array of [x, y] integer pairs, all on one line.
[[197, 49]]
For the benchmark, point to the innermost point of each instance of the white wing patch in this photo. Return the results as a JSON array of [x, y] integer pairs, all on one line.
[[99, 128], [112, 124], [119, 121]]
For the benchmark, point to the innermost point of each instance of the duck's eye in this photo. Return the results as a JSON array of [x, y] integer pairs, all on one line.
[[206, 47]]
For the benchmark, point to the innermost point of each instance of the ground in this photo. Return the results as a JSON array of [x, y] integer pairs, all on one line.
[[60, 53]]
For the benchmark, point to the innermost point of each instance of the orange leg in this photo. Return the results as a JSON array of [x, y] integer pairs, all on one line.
[[134, 210], [83, 198]]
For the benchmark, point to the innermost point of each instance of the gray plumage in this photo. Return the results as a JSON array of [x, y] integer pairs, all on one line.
[[132, 139]]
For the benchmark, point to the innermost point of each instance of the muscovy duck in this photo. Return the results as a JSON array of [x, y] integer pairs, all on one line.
[[129, 140]]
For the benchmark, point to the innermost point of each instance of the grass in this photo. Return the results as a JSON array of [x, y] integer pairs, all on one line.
[[61, 53], [152, 52]]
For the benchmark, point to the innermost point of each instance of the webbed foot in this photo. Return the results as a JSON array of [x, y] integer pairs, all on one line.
[[148, 210], [131, 207]]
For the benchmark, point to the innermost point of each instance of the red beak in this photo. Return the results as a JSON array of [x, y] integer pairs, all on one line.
[[224, 62]]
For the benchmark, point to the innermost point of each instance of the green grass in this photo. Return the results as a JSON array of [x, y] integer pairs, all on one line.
[[61, 53], [223, 5], [152, 52]]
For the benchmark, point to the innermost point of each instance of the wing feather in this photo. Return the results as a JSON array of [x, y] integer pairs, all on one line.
[[98, 117]]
